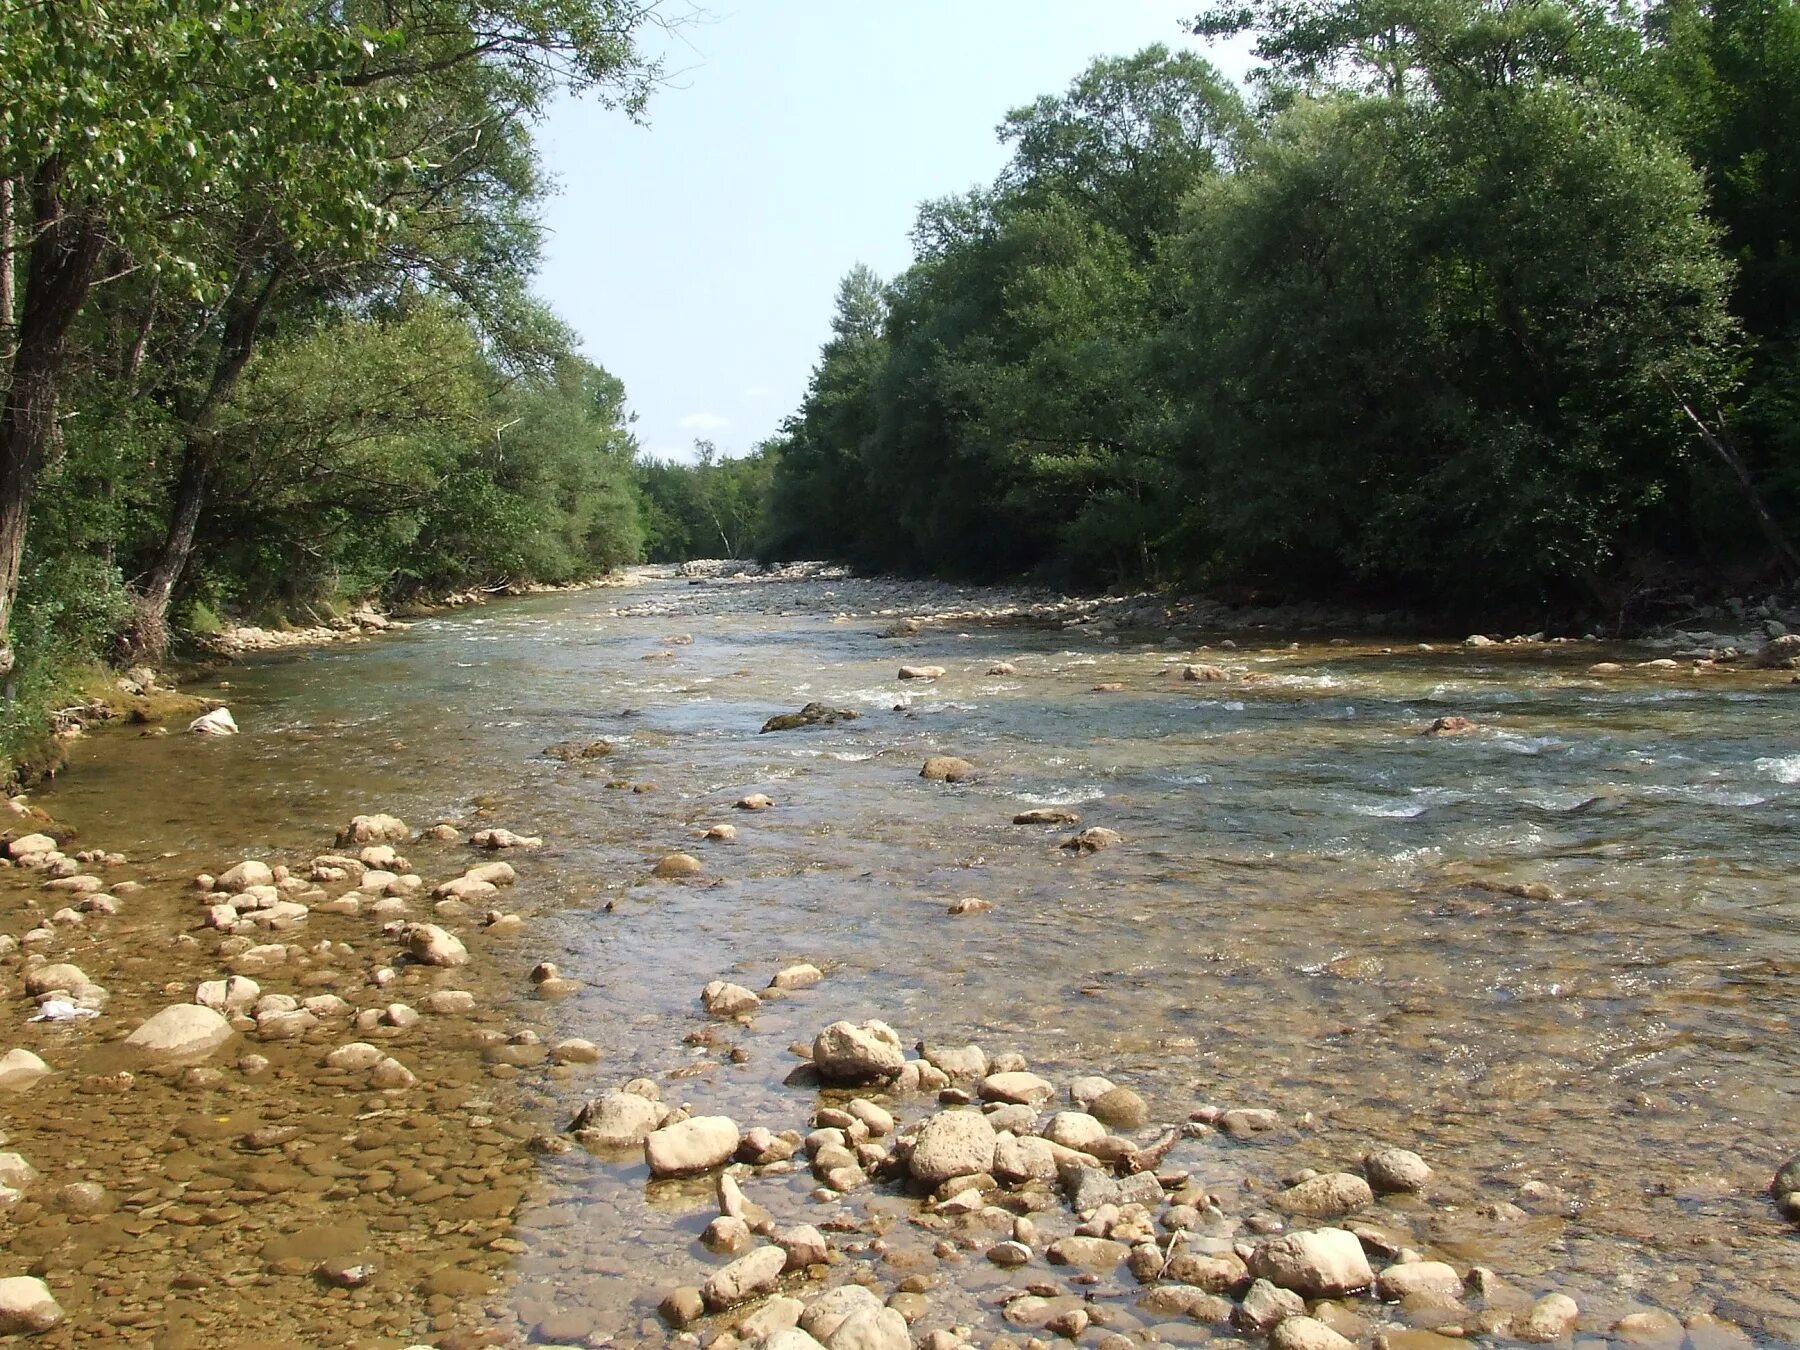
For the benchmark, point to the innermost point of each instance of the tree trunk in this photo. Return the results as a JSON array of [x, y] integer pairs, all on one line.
[[147, 636], [60, 273], [1720, 444]]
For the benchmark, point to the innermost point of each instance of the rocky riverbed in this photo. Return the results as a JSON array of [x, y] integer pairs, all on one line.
[[1182, 1007]]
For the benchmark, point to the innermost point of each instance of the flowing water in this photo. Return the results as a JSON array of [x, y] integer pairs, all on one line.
[[1562, 949]]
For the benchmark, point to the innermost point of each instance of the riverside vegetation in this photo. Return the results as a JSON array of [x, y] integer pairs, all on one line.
[[1487, 309], [1094, 983]]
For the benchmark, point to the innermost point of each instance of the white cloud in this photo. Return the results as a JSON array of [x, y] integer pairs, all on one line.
[[704, 421]]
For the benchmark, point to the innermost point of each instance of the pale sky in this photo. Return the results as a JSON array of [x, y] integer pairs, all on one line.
[[698, 257]]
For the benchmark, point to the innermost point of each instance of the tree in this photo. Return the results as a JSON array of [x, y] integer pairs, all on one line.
[[122, 125]]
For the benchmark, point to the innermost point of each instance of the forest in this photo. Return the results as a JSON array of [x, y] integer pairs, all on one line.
[[1482, 305]]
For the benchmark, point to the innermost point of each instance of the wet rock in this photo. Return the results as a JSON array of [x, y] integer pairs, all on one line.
[[805, 1246], [677, 865], [448, 1002], [947, 769], [682, 1307], [27, 1307], [28, 845], [433, 946], [572, 752], [229, 995], [1020, 1088], [574, 1050], [1048, 815], [245, 875], [772, 1317], [1430, 1278], [1780, 653], [726, 834], [812, 715], [357, 1055], [391, 1076], [1451, 726], [1786, 1187], [495, 840], [921, 672], [691, 1146], [959, 1063], [1087, 1253], [877, 1328], [618, 1120], [1653, 1327], [1248, 1122], [1551, 1318], [1396, 1171], [826, 1313], [967, 906], [1307, 1333], [1330, 1196], [1093, 840], [746, 1277], [1003, 668], [723, 999], [1009, 1255], [952, 1144], [218, 722], [16, 1173], [798, 976], [1212, 674], [1322, 1263], [1074, 1129], [852, 1055], [20, 1069], [726, 1234], [375, 829], [1221, 1273], [1121, 1109], [465, 888], [756, 801], [1266, 1306], [181, 1032]]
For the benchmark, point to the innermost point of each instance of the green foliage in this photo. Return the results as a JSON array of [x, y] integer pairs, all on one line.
[[1434, 325], [716, 507]]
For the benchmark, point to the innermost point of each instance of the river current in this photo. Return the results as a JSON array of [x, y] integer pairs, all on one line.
[[1560, 950]]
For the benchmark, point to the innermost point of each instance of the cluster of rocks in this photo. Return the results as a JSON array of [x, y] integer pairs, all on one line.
[[352, 627], [1074, 1191]]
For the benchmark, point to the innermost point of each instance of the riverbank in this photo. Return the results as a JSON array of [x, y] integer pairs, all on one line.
[[1476, 985]]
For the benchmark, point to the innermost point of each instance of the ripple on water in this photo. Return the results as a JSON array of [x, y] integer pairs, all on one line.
[[1784, 769]]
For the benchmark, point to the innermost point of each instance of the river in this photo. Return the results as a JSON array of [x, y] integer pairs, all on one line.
[[1555, 956]]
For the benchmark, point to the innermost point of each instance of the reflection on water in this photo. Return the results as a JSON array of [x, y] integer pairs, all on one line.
[[1561, 949]]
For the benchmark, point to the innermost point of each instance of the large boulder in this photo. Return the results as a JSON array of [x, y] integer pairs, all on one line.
[[376, 829], [1330, 1196], [952, 1144], [618, 1120], [433, 946], [27, 1307], [871, 1329], [218, 722], [1322, 1263], [691, 1146], [947, 769], [1396, 1170], [181, 1032], [245, 875], [853, 1055]]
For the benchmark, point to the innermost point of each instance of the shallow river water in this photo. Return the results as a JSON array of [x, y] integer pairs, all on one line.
[[1560, 950]]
